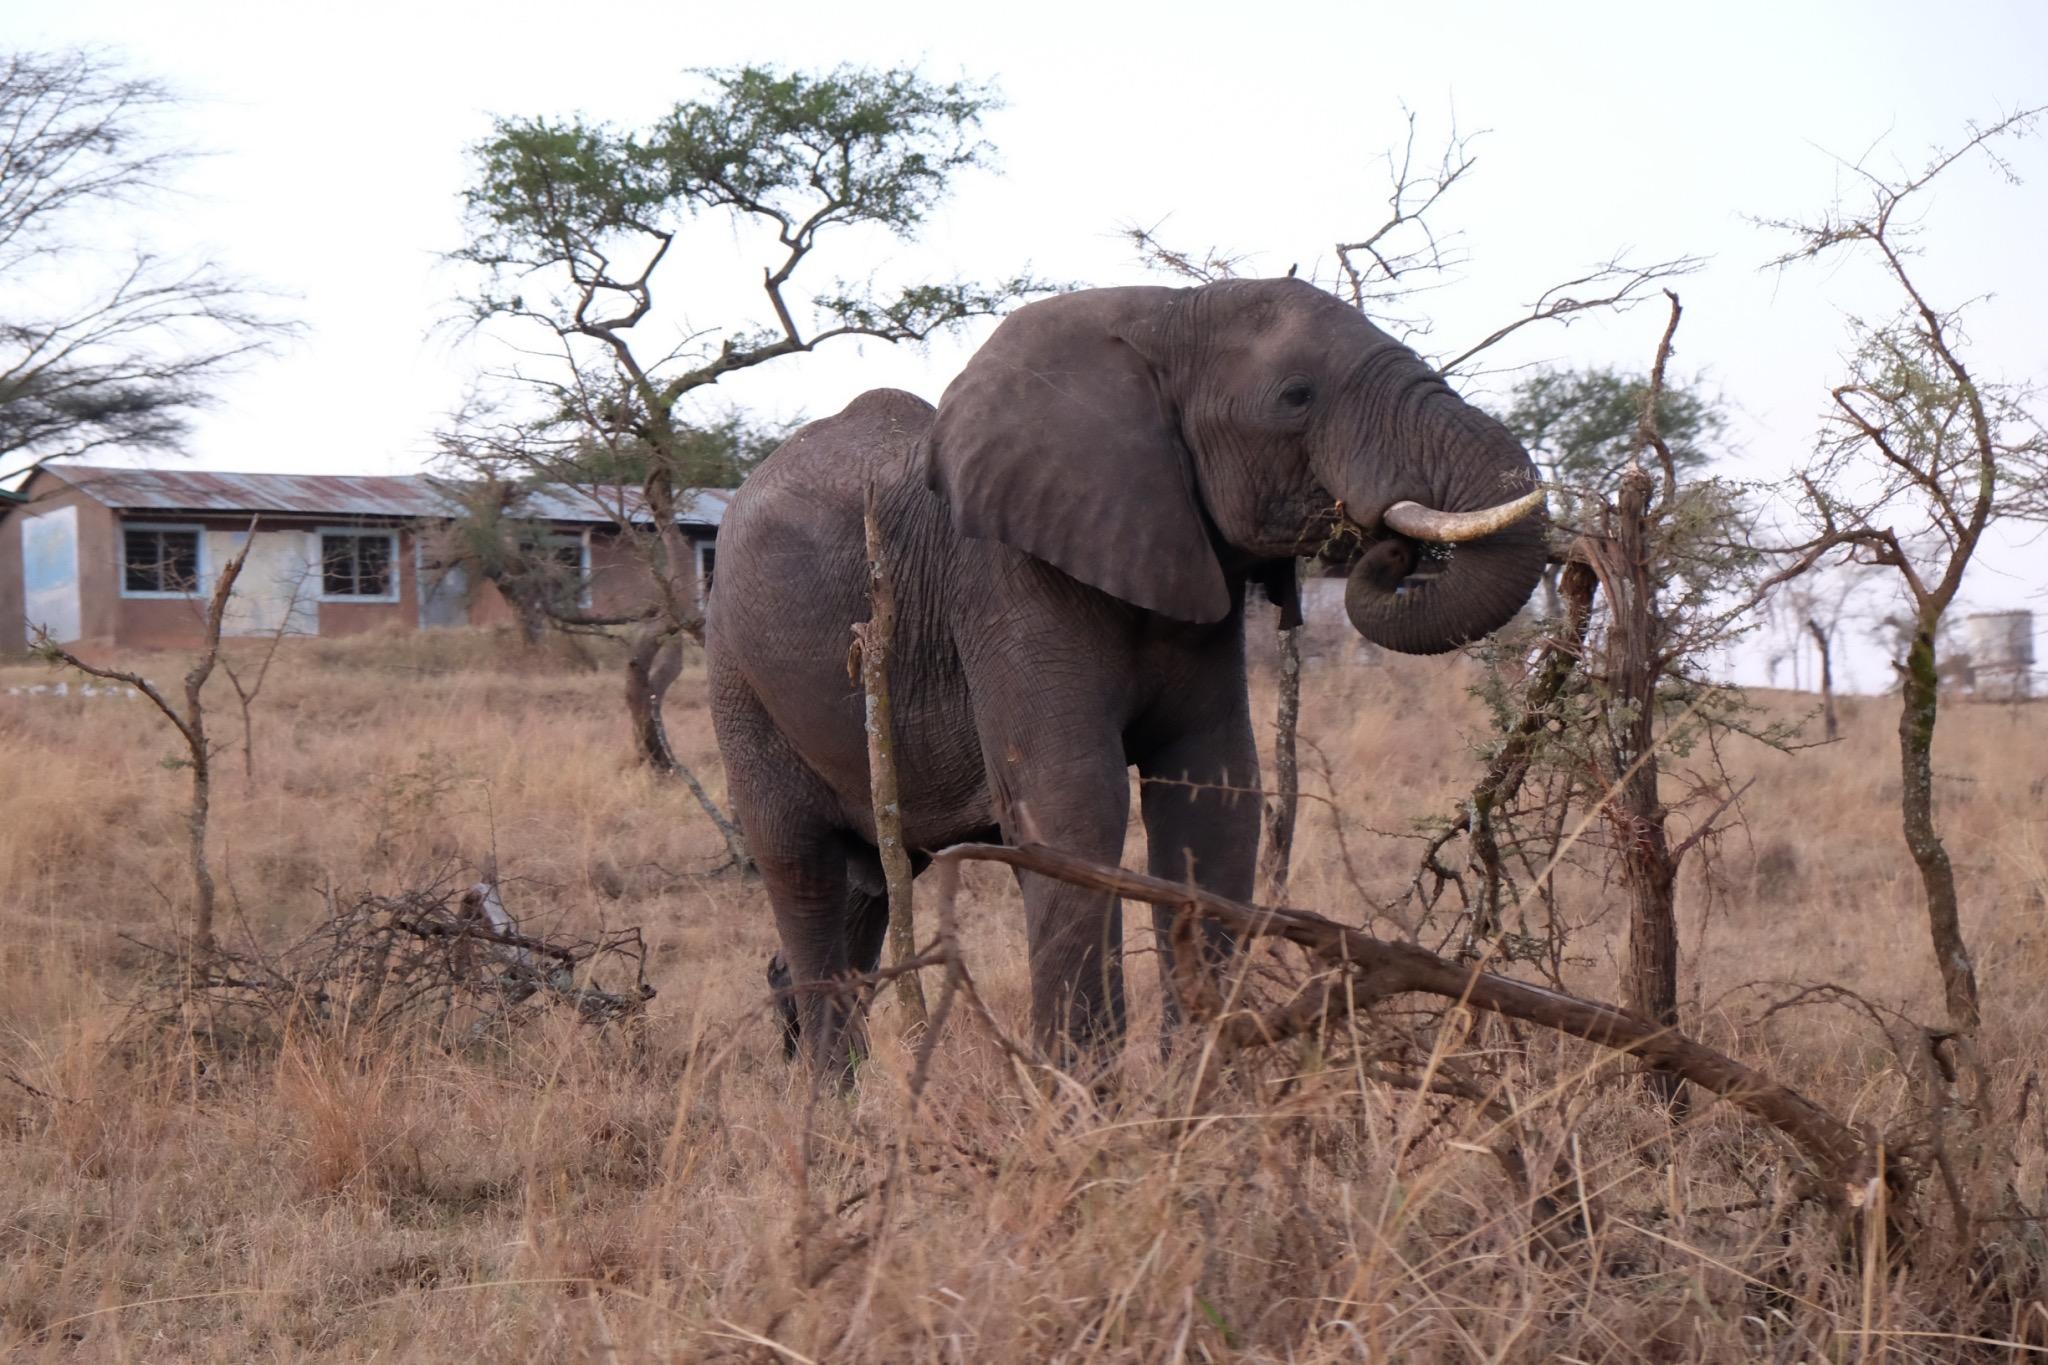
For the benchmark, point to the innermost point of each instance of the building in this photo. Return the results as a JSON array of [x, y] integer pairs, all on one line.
[[127, 557], [2000, 655]]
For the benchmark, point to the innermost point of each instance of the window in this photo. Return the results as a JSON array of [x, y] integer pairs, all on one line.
[[567, 554], [359, 566], [706, 561], [160, 561], [565, 560]]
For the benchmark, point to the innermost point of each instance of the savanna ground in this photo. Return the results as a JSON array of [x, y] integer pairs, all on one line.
[[556, 1191]]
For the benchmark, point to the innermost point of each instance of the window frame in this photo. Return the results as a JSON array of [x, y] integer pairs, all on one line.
[[705, 549], [390, 533], [204, 569]]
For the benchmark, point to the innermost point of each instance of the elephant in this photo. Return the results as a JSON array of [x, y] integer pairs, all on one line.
[[1071, 534]]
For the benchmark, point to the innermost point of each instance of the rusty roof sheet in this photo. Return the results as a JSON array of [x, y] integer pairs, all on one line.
[[400, 497]]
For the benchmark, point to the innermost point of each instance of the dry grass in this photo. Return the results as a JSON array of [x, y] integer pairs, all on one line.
[[562, 1193]]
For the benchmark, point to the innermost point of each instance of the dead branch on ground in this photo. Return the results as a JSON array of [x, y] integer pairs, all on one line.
[[447, 961], [1356, 972]]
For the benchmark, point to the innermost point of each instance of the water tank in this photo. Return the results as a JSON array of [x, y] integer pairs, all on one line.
[[2001, 645]]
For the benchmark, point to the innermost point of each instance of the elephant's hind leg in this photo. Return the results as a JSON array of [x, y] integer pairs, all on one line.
[[788, 814]]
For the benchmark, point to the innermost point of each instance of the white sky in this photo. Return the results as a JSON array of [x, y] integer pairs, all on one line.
[[338, 137]]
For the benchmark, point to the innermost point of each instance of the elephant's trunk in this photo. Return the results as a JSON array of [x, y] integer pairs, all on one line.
[[1448, 499]]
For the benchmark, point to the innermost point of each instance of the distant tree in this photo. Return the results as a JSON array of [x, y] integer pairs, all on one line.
[[573, 222], [1582, 427], [99, 345], [1810, 612], [1583, 424]]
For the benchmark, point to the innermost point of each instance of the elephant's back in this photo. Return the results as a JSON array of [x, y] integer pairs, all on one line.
[[794, 528], [873, 439]]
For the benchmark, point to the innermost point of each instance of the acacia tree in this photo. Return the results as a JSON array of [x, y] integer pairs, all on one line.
[[494, 469], [493, 540], [99, 345], [1920, 455], [574, 223]]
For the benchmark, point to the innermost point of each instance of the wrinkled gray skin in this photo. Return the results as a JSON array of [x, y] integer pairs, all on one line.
[[1071, 534]]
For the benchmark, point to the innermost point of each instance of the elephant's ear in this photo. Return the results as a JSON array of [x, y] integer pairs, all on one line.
[[1060, 440]]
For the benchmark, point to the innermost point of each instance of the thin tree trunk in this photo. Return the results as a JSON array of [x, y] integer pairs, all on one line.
[[1553, 599], [655, 663], [1828, 719], [532, 618], [1510, 765], [191, 727], [1283, 806], [1634, 810], [650, 668], [877, 638], [202, 802], [248, 745], [194, 728], [1920, 704]]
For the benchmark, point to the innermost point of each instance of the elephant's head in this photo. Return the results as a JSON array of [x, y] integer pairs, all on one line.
[[1148, 440]]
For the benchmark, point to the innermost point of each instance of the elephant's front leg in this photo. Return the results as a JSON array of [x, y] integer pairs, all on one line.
[[1071, 793], [1201, 810]]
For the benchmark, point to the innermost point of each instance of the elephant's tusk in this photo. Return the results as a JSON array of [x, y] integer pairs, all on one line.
[[1417, 522]]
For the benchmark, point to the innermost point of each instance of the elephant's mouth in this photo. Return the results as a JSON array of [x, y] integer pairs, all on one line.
[[1427, 581], [1395, 564]]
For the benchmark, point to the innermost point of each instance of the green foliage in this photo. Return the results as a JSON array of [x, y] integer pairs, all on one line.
[[1582, 423], [849, 145], [572, 219], [719, 453], [801, 152], [1583, 426]]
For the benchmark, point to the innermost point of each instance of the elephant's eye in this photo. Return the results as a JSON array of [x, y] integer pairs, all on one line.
[[1296, 394]]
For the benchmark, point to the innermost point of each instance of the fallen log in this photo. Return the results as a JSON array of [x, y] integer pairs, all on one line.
[[1850, 1173]]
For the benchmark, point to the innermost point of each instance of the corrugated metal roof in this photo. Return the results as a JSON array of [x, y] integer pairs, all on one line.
[[402, 497]]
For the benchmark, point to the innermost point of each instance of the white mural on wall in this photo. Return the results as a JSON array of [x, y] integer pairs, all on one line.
[[49, 573], [279, 584]]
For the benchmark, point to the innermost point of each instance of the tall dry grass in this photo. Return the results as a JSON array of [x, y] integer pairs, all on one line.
[[558, 1193]]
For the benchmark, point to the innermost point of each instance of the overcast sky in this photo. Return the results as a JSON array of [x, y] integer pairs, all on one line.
[[338, 135]]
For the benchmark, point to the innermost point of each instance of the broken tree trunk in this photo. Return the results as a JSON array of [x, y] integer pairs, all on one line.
[[655, 661], [1283, 806], [873, 641], [1633, 807], [1849, 1173]]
